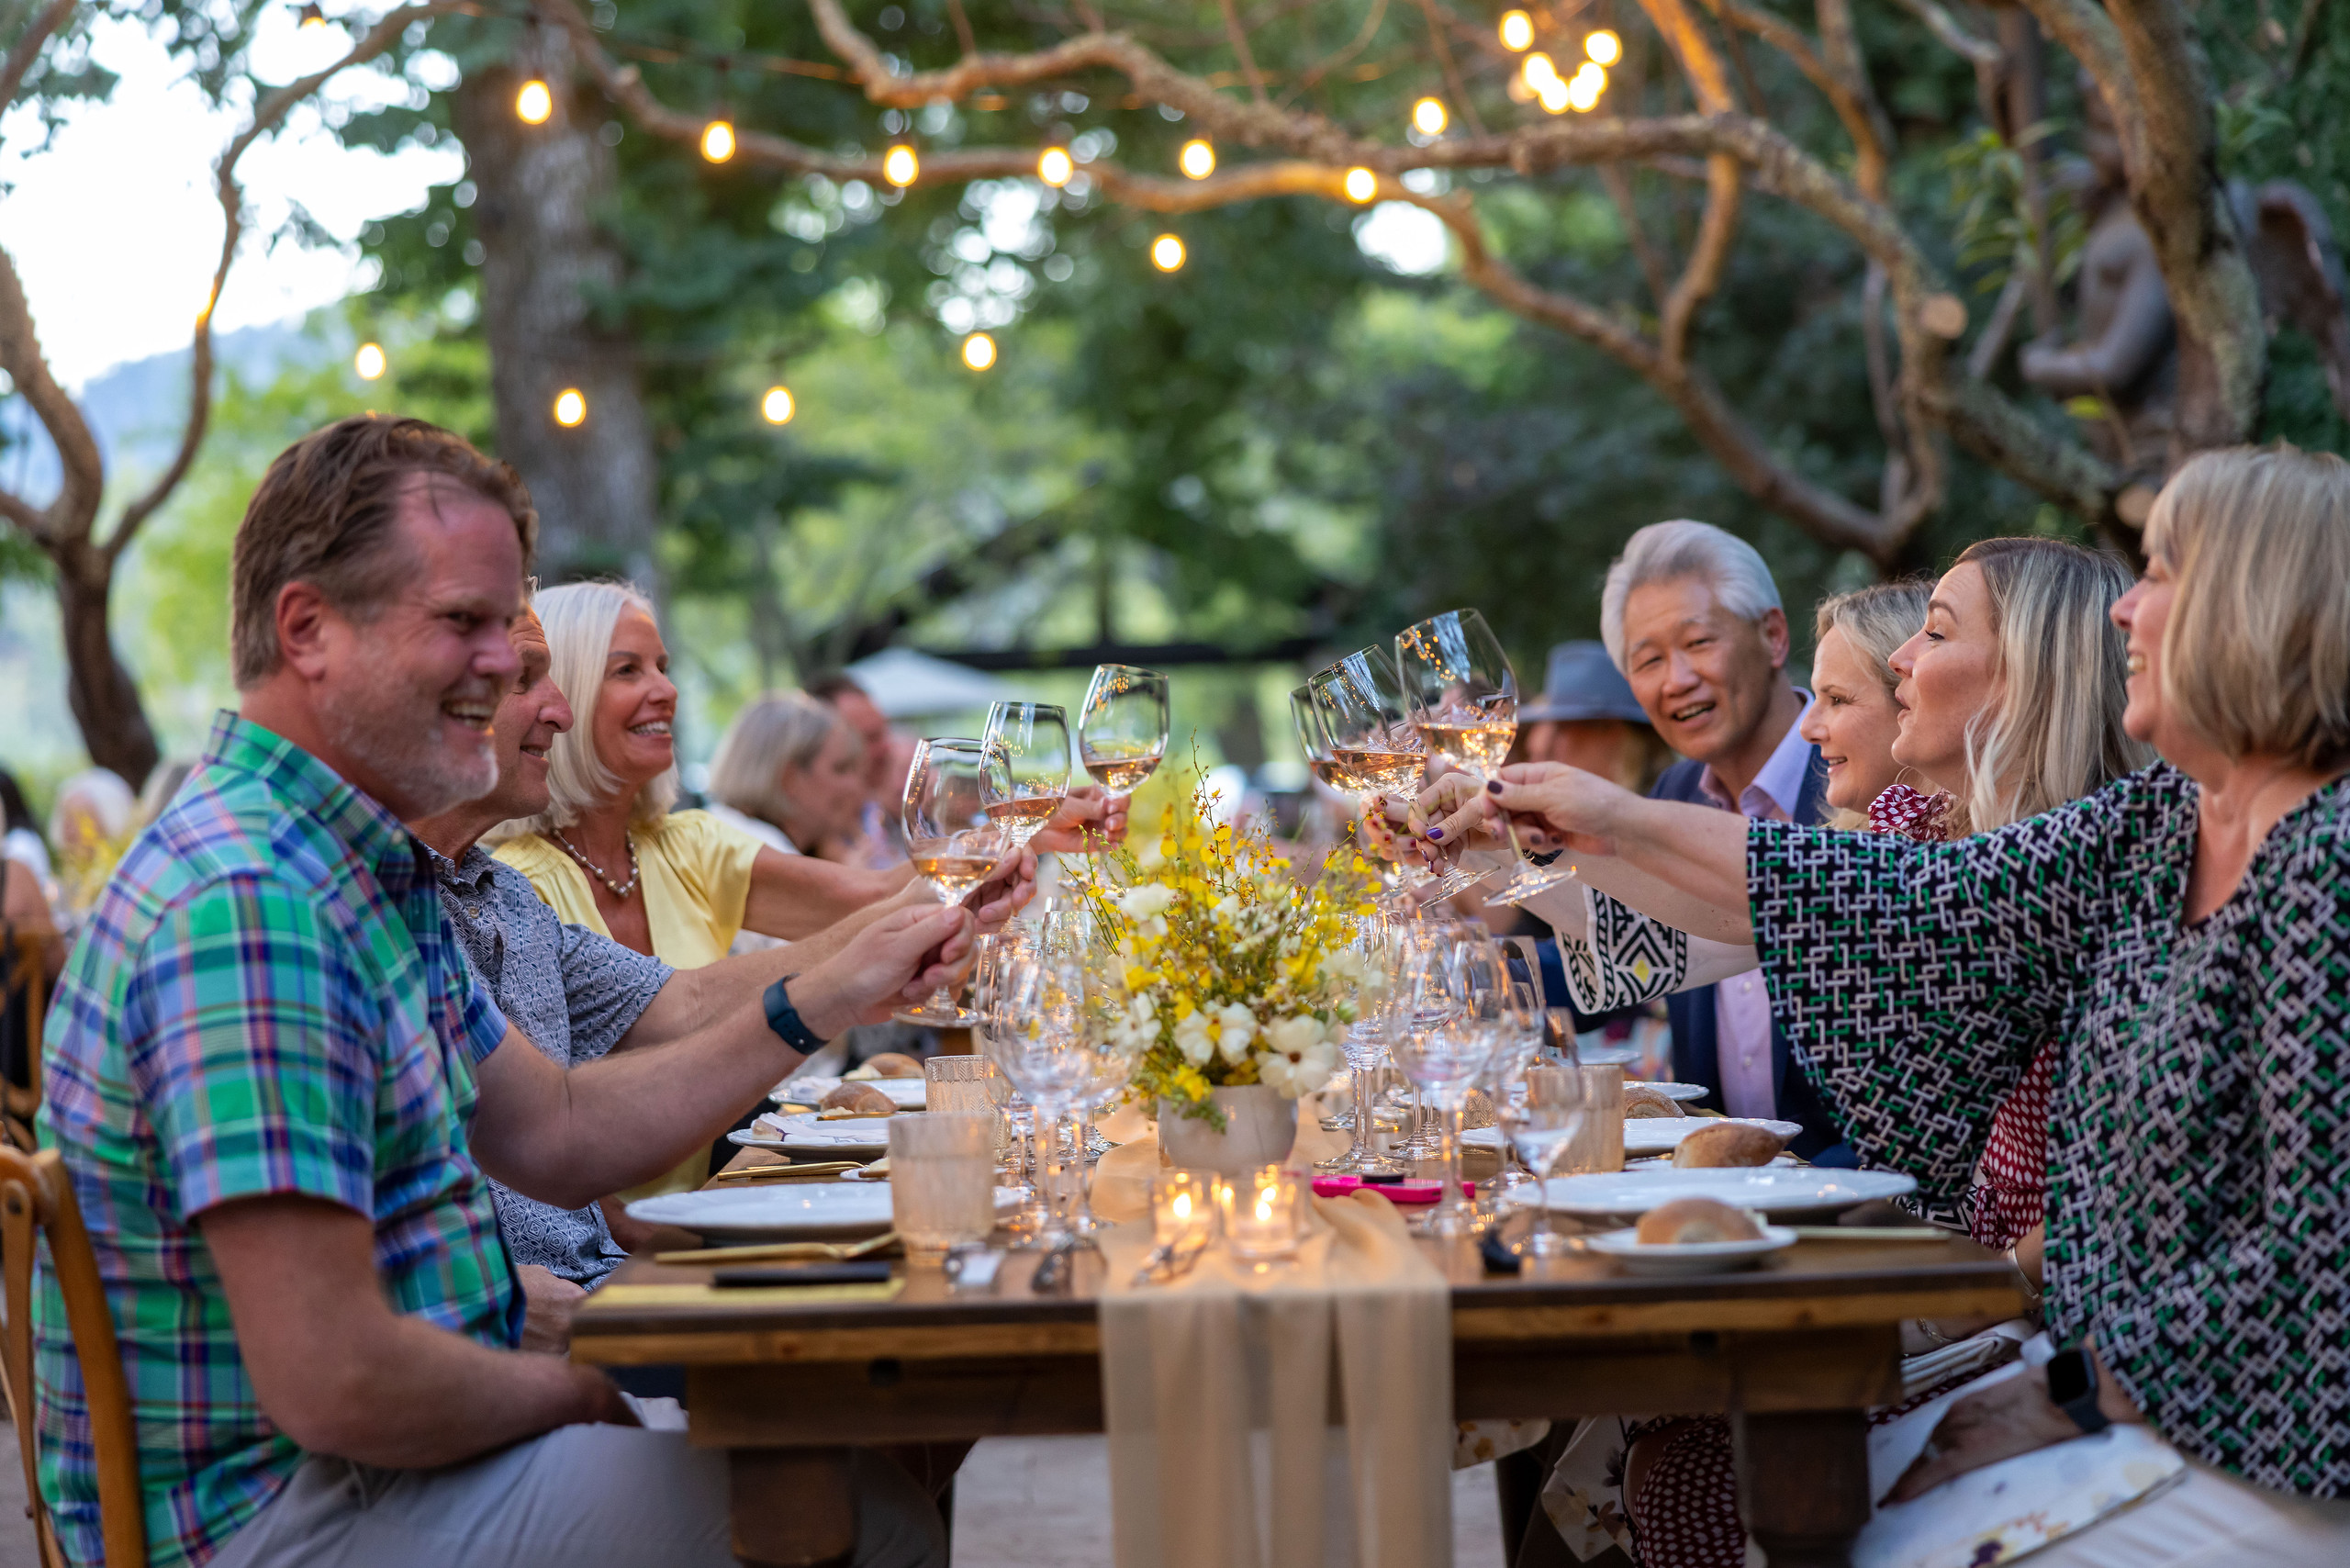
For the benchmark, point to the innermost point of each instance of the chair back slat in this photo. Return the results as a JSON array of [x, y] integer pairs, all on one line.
[[23, 998], [36, 1190]]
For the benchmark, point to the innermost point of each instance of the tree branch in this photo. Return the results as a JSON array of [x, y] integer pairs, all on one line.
[[1953, 34], [30, 44], [1868, 146], [1702, 273], [1239, 42], [267, 115]]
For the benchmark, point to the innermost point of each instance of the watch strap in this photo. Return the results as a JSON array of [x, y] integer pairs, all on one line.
[[2073, 1368], [784, 1021]]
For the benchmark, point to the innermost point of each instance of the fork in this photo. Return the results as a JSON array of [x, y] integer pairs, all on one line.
[[838, 1252]]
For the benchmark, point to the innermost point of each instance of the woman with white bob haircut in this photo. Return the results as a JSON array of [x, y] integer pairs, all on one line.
[[2183, 935], [790, 772]]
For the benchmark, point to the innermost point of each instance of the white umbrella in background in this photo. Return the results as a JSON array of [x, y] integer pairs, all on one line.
[[906, 684]]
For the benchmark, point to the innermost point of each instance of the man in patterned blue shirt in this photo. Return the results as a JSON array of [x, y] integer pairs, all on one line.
[[280, 1095]]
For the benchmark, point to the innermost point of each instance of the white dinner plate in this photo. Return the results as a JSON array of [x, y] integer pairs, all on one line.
[[905, 1093], [1649, 1135], [803, 1133], [1774, 1189], [1695, 1258], [1669, 1090], [784, 1209]]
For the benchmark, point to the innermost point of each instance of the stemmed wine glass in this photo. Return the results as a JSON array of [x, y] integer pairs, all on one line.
[[1042, 1038], [1122, 728], [1365, 1047], [950, 841], [1449, 988], [1464, 700], [1545, 1126], [1517, 1040], [1027, 767], [1365, 720]]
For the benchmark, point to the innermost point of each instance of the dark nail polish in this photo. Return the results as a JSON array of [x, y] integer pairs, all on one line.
[[1435, 833], [1492, 785]]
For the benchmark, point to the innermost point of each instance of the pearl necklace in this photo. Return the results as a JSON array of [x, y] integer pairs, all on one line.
[[619, 889]]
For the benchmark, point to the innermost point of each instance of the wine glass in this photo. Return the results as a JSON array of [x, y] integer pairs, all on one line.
[[1364, 1046], [1464, 702], [950, 841], [1122, 728], [1450, 1010], [1027, 766], [1545, 1126], [1310, 738], [1042, 1038], [1365, 720], [1517, 1039]]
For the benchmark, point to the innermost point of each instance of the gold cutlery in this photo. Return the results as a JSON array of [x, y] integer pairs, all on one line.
[[788, 1172], [837, 1251], [1872, 1233]]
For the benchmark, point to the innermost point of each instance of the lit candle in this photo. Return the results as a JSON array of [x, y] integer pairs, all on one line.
[[1260, 1213], [1182, 1207]]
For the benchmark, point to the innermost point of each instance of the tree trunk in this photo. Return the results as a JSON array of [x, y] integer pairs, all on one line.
[[104, 698], [545, 260]]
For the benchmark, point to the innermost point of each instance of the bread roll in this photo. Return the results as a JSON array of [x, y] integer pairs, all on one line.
[[1646, 1100], [1686, 1222], [893, 1064], [856, 1100], [1729, 1143]]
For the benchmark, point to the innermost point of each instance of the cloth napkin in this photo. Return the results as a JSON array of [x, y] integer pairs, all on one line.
[[1218, 1391]]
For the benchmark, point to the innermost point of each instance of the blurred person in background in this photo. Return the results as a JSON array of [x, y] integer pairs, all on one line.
[[162, 785], [90, 823], [20, 838], [1587, 717], [889, 757], [790, 772]]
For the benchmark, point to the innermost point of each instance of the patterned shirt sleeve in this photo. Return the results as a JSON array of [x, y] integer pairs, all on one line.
[[606, 987], [252, 1056], [1916, 980]]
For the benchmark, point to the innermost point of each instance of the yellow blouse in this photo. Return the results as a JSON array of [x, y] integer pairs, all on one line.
[[696, 873]]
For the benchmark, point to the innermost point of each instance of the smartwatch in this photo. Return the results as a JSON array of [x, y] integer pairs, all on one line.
[[784, 1021], [2072, 1386]]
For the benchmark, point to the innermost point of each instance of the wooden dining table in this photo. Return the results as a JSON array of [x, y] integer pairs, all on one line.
[[1794, 1352]]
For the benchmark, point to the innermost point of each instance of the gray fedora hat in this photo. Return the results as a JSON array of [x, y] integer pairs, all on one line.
[[1582, 683]]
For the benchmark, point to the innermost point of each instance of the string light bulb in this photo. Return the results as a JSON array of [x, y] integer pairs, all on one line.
[[1537, 71], [1517, 30], [1056, 166], [978, 350], [1197, 159], [1429, 116], [900, 166], [570, 408], [1556, 95], [1604, 47], [1362, 185], [311, 16], [1167, 254], [534, 103], [369, 362], [776, 408], [1582, 93], [718, 141]]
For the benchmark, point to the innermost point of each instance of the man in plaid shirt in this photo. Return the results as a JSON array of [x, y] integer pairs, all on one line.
[[277, 1090]]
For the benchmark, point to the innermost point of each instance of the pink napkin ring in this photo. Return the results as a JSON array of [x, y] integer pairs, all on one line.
[[1334, 1186], [1413, 1192]]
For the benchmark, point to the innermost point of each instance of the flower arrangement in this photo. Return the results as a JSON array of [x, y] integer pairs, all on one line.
[[1228, 971]]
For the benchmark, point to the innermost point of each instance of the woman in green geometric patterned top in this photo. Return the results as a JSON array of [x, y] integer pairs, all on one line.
[[2185, 934]]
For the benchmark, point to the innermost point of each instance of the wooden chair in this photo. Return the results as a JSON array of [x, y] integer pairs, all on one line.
[[24, 1000], [36, 1196]]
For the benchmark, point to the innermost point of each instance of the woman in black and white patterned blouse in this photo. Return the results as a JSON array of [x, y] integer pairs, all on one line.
[[2184, 934]]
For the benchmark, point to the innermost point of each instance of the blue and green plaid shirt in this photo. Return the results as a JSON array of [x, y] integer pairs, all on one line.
[[267, 999]]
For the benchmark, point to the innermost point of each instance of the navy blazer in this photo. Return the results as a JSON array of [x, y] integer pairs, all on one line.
[[1697, 1046]]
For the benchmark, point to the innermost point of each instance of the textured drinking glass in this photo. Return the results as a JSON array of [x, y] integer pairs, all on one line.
[[1599, 1147], [1260, 1213], [969, 1086], [942, 1179]]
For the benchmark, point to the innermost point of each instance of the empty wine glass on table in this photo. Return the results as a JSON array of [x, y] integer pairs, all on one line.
[[1545, 1126], [1464, 702], [1122, 728], [1365, 719], [950, 841], [1027, 767], [1449, 986], [1364, 1045], [1517, 1041], [1042, 1038]]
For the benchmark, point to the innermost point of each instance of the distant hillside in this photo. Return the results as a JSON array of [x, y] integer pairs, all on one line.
[[135, 408]]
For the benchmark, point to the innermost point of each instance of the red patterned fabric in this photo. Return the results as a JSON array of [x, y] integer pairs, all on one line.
[[2010, 1190], [1912, 813]]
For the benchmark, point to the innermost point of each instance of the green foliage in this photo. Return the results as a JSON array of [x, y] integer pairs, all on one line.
[[1995, 229]]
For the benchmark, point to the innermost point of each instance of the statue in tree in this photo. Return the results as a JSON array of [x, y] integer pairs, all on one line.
[[2123, 352]]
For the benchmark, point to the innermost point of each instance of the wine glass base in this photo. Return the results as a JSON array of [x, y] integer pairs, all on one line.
[[1455, 880], [1526, 885], [1369, 1163], [927, 1017]]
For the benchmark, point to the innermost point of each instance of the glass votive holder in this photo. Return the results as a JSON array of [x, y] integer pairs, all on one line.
[[1182, 1207], [1261, 1212], [969, 1085], [1599, 1146]]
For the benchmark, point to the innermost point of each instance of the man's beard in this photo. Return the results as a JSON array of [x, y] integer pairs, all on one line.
[[374, 722]]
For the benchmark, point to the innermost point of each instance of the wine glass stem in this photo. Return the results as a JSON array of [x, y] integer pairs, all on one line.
[[1517, 853], [1455, 1123], [1362, 1149]]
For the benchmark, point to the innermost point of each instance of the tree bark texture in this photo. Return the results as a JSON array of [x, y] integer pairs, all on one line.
[[104, 698], [546, 260]]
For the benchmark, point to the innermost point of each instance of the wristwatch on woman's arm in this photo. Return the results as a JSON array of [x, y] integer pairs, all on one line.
[[2073, 1386]]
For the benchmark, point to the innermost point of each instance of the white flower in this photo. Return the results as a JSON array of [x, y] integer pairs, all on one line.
[[1192, 1040], [1150, 900], [1237, 1027], [1343, 963], [1296, 1060], [1228, 909]]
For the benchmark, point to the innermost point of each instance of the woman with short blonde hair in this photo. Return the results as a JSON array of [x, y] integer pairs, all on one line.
[[1853, 717], [790, 771]]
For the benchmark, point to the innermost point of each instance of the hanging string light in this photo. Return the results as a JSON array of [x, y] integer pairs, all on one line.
[[1536, 70], [369, 362], [1604, 47], [311, 16], [1582, 93], [1517, 30], [776, 408], [570, 408], [1362, 185], [900, 166], [978, 350], [718, 141], [1197, 159], [534, 103], [1055, 166], [1429, 116], [1167, 254]]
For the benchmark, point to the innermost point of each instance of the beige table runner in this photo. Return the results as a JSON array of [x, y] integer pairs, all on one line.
[[1217, 1395]]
